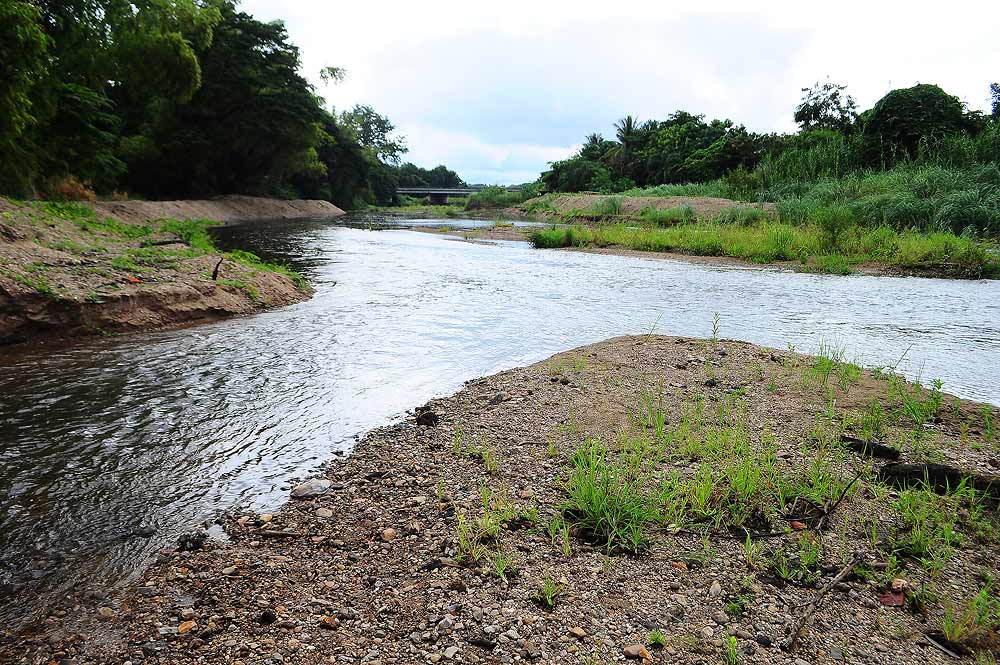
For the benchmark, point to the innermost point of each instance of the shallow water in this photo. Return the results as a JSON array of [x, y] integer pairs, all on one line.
[[110, 448]]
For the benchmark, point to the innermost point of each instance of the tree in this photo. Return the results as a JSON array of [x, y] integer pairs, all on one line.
[[253, 122], [899, 122], [995, 96], [23, 62], [824, 106], [375, 133]]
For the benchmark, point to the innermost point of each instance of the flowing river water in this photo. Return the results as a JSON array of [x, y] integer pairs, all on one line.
[[110, 448]]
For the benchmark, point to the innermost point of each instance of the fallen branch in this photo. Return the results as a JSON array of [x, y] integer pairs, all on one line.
[[940, 477], [938, 645], [796, 627], [843, 494], [215, 272], [870, 448]]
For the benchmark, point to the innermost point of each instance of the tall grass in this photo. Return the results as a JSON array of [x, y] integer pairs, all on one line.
[[766, 242]]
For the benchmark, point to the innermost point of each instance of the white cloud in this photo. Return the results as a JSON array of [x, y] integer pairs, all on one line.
[[502, 88]]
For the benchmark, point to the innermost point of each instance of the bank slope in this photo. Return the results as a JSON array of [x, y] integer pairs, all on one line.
[[73, 269]]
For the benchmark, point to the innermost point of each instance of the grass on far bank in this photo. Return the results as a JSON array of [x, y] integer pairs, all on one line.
[[131, 247], [813, 246]]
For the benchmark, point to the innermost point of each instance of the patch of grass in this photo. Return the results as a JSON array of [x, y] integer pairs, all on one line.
[[667, 216], [126, 264], [769, 241], [609, 206], [656, 639], [608, 496], [253, 261], [548, 593], [970, 622], [741, 215]]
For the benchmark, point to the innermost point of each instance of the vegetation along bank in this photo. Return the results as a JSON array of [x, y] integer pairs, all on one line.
[[69, 269], [647, 498]]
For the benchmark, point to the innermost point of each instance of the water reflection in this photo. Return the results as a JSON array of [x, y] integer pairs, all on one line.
[[108, 448]]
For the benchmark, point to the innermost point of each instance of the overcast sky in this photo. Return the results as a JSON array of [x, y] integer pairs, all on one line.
[[496, 90]]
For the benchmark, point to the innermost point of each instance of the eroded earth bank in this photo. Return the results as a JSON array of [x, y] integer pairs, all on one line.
[[72, 269]]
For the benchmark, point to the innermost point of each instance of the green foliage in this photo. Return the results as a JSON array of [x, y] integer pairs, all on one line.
[[766, 242], [608, 496], [374, 132], [411, 175], [23, 48], [500, 197], [900, 121], [824, 107], [667, 216]]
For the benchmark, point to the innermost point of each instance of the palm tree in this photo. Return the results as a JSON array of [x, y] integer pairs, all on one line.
[[627, 132]]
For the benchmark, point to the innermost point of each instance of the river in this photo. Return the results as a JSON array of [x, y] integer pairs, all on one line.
[[111, 447]]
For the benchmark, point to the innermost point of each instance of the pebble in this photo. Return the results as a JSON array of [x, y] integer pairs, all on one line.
[[637, 651], [106, 613], [707, 632], [311, 489], [388, 534], [578, 632], [451, 652], [715, 590], [229, 570], [324, 513], [186, 627]]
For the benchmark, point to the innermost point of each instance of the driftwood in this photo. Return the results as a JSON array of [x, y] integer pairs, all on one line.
[[869, 448], [279, 534], [939, 477], [797, 626], [215, 272]]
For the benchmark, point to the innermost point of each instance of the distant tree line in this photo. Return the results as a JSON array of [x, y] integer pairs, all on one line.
[[177, 98], [911, 124]]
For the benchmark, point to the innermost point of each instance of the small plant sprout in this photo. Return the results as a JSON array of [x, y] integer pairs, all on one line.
[[731, 656], [548, 593], [656, 639], [715, 328]]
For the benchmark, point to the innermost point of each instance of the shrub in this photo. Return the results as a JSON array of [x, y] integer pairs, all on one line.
[[68, 188], [899, 122]]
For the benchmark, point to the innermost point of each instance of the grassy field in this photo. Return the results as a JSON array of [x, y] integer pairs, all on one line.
[[812, 246], [927, 219]]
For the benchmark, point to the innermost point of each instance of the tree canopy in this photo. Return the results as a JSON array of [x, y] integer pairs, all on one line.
[[177, 98]]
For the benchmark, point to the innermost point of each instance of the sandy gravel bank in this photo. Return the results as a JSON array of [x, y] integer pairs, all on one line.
[[462, 534], [227, 209]]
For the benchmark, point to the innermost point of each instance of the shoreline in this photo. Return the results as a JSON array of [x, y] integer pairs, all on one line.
[[521, 234], [70, 270], [435, 539]]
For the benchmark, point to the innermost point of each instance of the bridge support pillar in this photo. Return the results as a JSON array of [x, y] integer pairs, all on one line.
[[437, 199]]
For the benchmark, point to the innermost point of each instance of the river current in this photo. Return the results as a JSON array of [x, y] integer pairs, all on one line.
[[110, 448]]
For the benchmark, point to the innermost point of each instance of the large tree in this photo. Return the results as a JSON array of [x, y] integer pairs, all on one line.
[[23, 63], [253, 122], [826, 106]]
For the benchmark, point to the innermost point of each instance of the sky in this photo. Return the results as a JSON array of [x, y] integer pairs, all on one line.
[[496, 90]]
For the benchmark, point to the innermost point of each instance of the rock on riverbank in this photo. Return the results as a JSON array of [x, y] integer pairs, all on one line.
[[460, 537]]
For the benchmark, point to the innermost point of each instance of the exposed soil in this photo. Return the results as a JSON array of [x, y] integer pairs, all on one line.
[[370, 567], [225, 209], [66, 273]]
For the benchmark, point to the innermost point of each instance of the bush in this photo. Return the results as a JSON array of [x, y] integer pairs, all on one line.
[[68, 188], [899, 122]]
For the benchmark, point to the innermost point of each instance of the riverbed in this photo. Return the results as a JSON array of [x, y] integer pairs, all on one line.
[[111, 447]]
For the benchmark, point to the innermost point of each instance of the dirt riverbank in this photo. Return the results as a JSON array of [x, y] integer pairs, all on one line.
[[72, 269], [646, 498]]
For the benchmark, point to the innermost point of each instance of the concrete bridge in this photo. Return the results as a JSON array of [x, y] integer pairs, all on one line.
[[439, 195]]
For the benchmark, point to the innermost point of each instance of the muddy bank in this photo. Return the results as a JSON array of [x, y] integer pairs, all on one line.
[[225, 209], [69, 270], [464, 534]]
